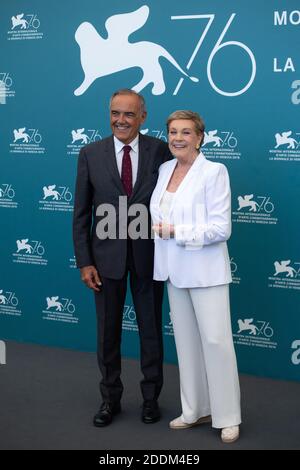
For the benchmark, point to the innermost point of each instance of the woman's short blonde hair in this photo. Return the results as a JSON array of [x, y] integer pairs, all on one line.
[[191, 115]]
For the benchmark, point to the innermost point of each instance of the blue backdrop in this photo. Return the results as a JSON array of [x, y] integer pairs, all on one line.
[[60, 62]]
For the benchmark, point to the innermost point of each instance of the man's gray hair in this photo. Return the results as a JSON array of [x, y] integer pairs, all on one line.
[[128, 91]]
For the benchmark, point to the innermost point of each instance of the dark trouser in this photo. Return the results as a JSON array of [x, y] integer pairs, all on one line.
[[147, 298]]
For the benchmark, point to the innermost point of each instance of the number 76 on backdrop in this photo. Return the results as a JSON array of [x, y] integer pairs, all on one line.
[[105, 56], [219, 45]]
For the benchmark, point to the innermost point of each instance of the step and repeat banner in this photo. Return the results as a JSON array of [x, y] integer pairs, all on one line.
[[237, 63]]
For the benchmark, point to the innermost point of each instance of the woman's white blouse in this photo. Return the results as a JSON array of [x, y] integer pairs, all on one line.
[[165, 206]]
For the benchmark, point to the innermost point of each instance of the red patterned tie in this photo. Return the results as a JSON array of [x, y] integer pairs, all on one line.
[[126, 173]]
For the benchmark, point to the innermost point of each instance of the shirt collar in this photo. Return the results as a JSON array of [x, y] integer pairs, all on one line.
[[133, 144]]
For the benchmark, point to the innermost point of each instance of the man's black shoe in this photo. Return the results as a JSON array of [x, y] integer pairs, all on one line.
[[150, 413], [105, 414]]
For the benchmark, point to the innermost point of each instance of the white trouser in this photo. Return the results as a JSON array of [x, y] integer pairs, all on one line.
[[209, 381]]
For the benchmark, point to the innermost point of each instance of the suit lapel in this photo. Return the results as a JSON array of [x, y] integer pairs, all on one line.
[[188, 177], [111, 162], [166, 179], [144, 158], [185, 182]]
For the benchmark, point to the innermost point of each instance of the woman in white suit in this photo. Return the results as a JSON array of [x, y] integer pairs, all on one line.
[[191, 213]]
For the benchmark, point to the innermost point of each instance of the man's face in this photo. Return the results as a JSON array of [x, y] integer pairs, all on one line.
[[126, 117]]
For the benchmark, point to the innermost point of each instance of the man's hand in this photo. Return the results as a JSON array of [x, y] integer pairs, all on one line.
[[91, 278]]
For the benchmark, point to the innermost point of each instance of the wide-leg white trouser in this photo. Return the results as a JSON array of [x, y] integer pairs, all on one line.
[[209, 382]]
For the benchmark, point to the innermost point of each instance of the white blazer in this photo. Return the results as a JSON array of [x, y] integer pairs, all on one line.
[[201, 212]]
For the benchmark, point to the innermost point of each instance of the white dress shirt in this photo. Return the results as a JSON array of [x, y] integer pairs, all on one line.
[[134, 155]]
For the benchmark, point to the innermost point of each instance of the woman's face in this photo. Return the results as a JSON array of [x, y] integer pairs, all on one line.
[[183, 140]]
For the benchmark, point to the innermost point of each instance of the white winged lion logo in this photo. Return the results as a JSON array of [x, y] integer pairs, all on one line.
[[100, 57]]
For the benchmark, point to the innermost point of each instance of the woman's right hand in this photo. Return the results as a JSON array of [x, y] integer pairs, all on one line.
[[163, 230]]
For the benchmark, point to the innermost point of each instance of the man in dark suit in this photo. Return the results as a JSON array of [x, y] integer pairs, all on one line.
[[121, 167]]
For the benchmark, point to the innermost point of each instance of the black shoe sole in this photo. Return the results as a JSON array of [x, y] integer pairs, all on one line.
[[151, 421], [102, 425]]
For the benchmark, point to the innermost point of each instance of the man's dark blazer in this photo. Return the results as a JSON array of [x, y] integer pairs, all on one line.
[[98, 182]]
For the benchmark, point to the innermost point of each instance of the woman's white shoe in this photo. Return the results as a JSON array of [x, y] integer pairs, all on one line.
[[230, 434], [178, 423]]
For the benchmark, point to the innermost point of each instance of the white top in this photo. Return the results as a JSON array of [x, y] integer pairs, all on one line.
[[165, 206], [134, 155]]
